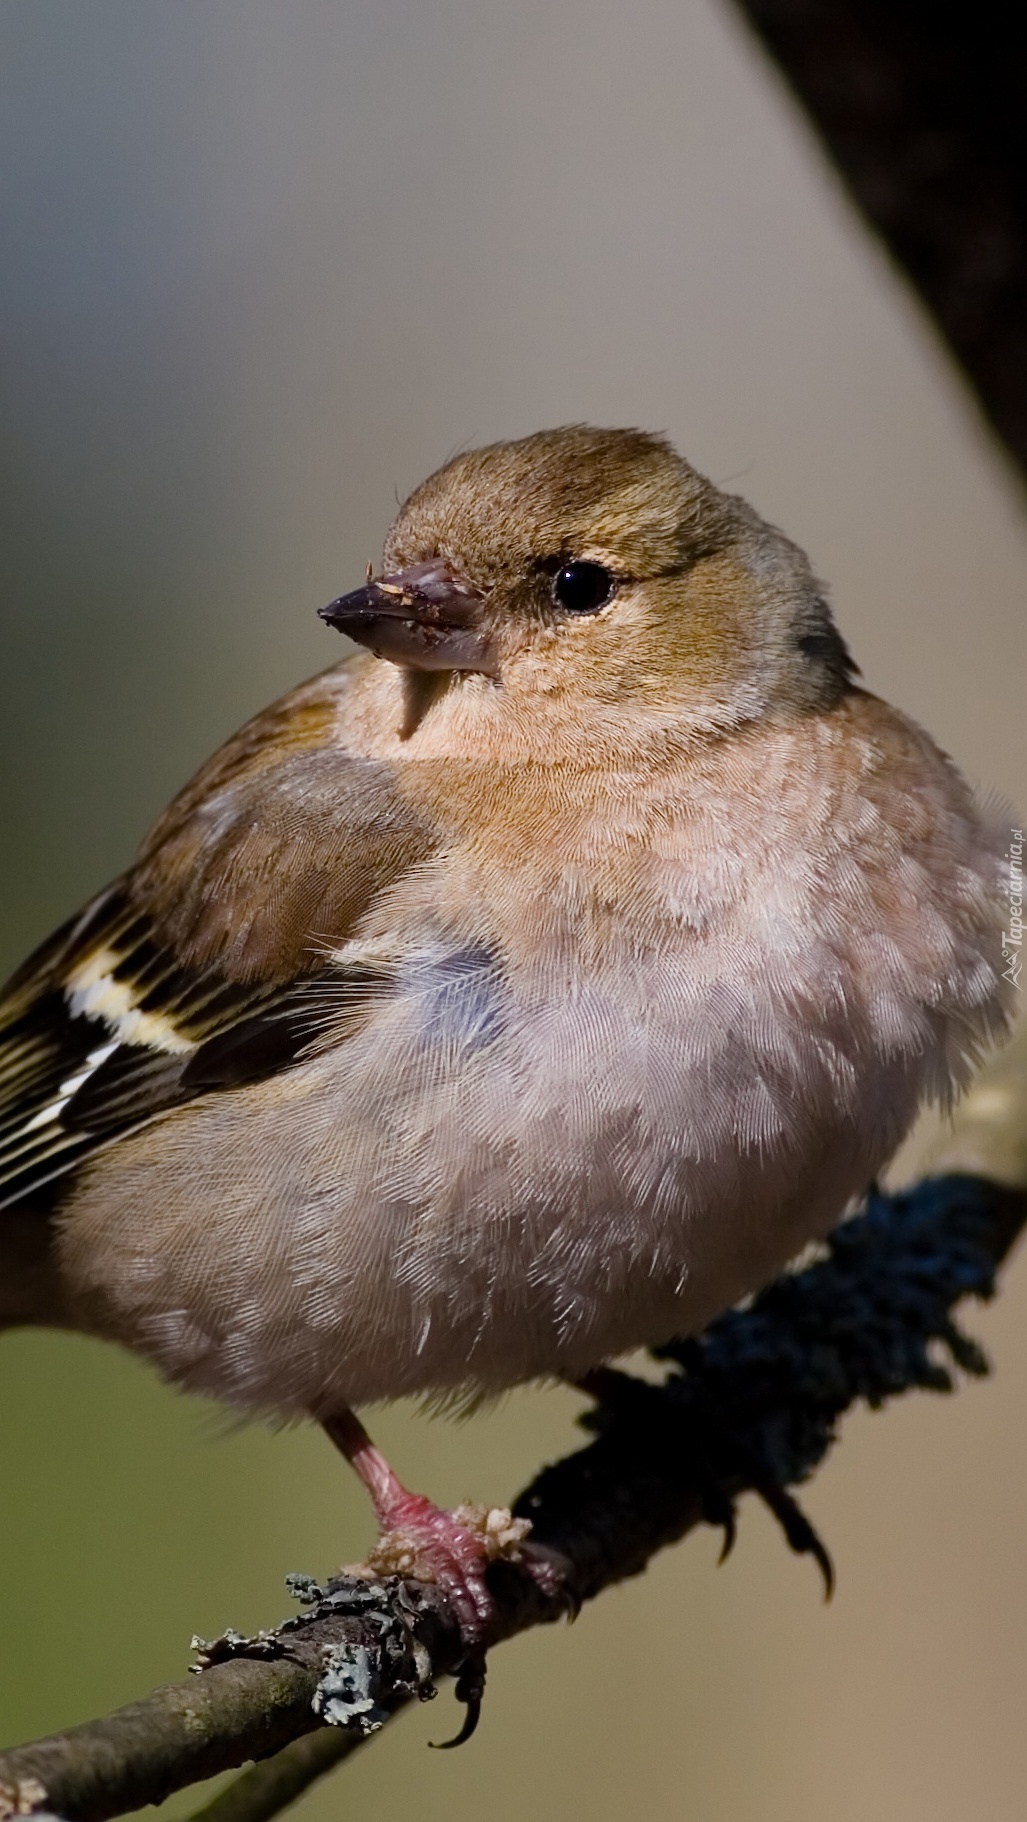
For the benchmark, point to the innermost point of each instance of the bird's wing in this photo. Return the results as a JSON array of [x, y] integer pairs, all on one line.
[[210, 964]]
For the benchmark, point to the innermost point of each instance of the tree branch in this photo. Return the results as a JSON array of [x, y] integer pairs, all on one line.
[[268, 1788], [923, 109]]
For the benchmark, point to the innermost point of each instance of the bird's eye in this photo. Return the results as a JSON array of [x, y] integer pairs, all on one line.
[[582, 588]]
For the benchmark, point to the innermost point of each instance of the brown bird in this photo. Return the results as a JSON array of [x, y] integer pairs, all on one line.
[[521, 991]]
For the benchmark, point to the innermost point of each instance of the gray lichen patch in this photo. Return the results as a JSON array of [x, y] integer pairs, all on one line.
[[364, 1675]]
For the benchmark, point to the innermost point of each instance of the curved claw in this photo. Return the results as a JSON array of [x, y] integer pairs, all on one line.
[[470, 1689], [719, 1510], [572, 1602], [814, 1547], [822, 1557], [799, 1533], [729, 1525]]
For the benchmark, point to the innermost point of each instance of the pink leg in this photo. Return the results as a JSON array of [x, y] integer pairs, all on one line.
[[418, 1539], [348, 1434]]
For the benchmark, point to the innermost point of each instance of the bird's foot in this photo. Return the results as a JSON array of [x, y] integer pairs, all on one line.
[[454, 1550]]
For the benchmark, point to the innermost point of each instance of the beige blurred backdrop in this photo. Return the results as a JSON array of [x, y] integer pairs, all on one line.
[[266, 263]]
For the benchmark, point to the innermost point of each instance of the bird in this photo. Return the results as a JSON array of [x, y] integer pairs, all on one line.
[[529, 987]]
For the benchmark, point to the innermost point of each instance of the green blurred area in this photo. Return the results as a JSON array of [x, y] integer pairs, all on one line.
[[267, 262]]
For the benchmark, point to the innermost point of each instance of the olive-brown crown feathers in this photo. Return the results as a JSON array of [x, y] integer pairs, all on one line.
[[624, 497], [598, 565]]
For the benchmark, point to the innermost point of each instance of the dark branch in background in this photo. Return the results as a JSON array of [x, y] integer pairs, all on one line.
[[922, 106], [753, 1404]]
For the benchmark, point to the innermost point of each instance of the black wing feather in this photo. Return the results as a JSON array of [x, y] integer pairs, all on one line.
[[69, 1087]]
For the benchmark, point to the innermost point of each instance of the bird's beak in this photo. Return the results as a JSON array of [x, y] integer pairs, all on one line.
[[426, 617]]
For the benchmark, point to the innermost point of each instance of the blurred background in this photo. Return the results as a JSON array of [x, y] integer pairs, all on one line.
[[267, 263]]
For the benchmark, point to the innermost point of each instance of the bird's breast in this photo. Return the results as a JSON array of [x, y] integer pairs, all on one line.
[[640, 1035]]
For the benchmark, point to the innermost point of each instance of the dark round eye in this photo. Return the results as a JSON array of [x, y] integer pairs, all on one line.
[[582, 588]]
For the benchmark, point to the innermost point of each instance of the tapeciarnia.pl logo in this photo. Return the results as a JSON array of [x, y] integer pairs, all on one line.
[[1012, 939]]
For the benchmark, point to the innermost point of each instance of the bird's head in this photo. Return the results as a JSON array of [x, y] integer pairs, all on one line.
[[596, 567]]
